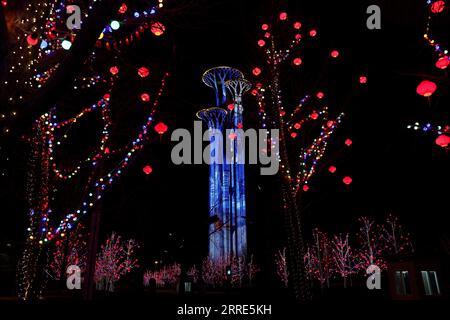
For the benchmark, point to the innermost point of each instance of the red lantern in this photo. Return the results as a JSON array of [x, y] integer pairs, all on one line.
[[313, 33], [32, 39], [256, 71], [283, 16], [305, 188], [443, 62], [297, 25], [297, 126], [330, 123], [265, 27], [143, 72], [314, 115], [145, 97], [147, 169], [363, 79], [157, 28], [347, 180], [438, 7], [161, 128], [426, 88], [320, 95], [114, 70], [443, 140], [261, 43], [334, 53], [298, 36], [123, 8], [348, 142], [294, 134], [231, 107], [332, 169], [297, 61], [267, 34]]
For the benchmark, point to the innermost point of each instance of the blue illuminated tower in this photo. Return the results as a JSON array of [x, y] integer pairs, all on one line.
[[215, 119], [228, 233], [237, 170]]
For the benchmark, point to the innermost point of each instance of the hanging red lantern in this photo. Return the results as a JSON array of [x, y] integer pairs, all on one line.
[[330, 123], [161, 128], [294, 134], [32, 39], [314, 115], [348, 142], [443, 62], [426, 88], [147, 169], [267, 35], [123, 8], [297, 61], [347, 180], [363, 79], [261, 43], [114, 70], [334, 53], [265, 27], [438, 7], [157, 28], [320, 95], [298, 36], [332, 169], [143, 72], [230, 107], [297, 25], [256, 71], [313, 33], [297, 126], [145, 97], [443, 140], [283, 16], [305, 188]]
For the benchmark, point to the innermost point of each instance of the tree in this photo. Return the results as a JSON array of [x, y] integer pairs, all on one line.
[[115, 259], [396, 240], [281, 264], [345, 262], [304, 131], [318, 258], [371, 246]]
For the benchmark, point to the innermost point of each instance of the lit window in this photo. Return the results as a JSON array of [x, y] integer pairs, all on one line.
[[402, 283], [430, 283]]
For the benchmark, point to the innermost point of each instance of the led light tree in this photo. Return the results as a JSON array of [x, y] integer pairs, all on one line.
[[115, 259], [281, 264], [396, 240], [299, 158], [371, 244], [47, 65], [318, 258], [345, 261]]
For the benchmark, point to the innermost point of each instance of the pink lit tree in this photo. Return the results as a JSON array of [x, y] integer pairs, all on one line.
[[396, 240], [281, 264], [345, 261], [371, 244], [318, 260], [115, 259]]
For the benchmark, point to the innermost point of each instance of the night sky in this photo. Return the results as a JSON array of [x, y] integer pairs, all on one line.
[[394, 170]]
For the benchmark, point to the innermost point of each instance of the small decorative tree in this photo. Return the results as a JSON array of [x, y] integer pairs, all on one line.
[[345, 262], [282, 271], [115, 259], [318, 259], [371, 245], [395, 239]]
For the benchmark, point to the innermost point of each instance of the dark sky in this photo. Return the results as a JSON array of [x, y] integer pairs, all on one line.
[[394, 170]]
